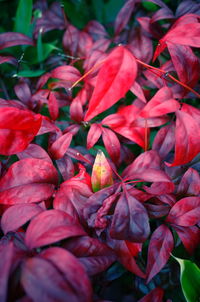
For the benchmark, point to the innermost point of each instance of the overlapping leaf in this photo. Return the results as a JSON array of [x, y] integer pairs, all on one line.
[[160, 246], [17, 129], [28, 180], [51, 226], [114, 79]]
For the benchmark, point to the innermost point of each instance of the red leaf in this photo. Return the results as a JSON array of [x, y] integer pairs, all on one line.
[[28, 180], [73, 194], [130, 220], [6, 255], [111, 143], [53, 106], [72, 269], [23, 92], [10, 59], [185, 31], [51, 226], [93, 254], [164, 140], [126, 258], [190, 183], [42, 279], [76, 110], [70, 39], [140, 45], [93, 135], [183, 56], [60, 146], [9, 39], [185, 34], [34, 151], [160, 246], [66, 167], [17, 129], [187, 135], [156, 295], [124, 16], [186, 212], [137, 90], [66, 73], [190, 236], [161, 104], [146, 167], [114, 79], [17, 215]]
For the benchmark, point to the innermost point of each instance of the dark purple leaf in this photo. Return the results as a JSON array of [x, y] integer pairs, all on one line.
[[160, 246], [190, 183], [92, 253], [156, 295], [43, 281], [9, 39], [130, 220], [72, 269], [124, 16], [6, 255]]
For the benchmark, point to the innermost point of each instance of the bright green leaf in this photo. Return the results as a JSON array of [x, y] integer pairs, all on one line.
[[190, 280]]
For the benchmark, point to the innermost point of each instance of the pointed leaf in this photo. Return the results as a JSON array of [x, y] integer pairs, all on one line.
[[156, 295], [51, 226], [186, 212], [9, 39], [53, 106], [187, 135], [124, 16], [17, 129], [17, 215], [112, 144], [190, 279], [41, 279], [60, 146], [160, 246], [130, 220], [190, 183], [114, 79], [101, 173], [93, 135], [92, 253], [161, 104], [66, 73], [28, 180], [189, 237], [72, 269], [23, 16]]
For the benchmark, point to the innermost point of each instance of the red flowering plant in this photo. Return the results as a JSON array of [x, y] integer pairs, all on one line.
[[100, 144]]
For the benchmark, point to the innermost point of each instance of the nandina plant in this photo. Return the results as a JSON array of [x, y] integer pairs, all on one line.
[[100, 152]]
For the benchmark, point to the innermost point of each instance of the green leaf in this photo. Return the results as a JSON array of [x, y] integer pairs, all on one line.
[[30, 73], [23, 17], [149, 6], [98, 8], [190, 280]]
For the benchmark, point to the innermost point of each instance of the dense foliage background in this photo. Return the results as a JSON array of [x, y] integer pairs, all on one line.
[[100, 150]]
